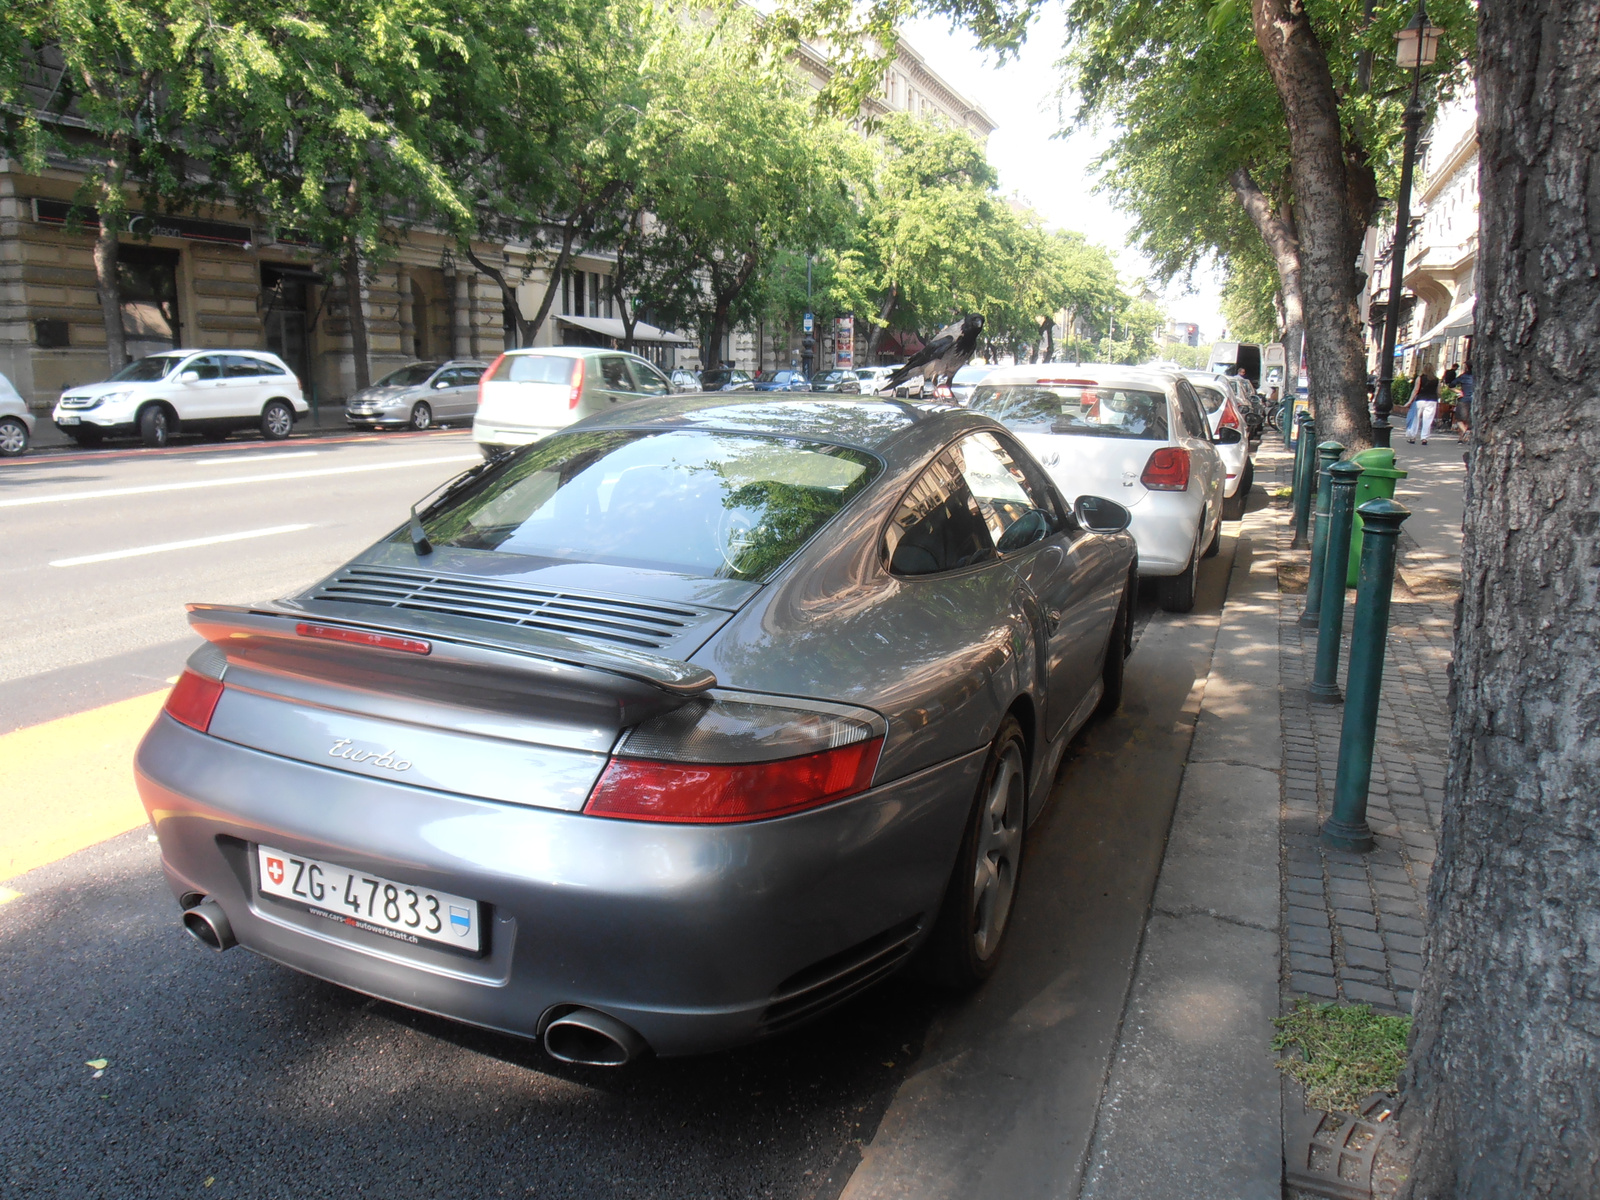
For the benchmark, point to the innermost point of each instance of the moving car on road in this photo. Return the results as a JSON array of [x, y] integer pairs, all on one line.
[[529, 394], [838, 380], [16, 422], [667, 733], [781, 381], [418, 396], [191, 391], [1140, 436], [1223, 413]]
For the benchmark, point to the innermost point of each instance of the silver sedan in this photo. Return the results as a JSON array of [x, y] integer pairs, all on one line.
[[418, 396], [665, 733]]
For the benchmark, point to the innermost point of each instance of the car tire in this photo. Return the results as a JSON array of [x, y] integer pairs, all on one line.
[[277, 421], [421, 417], [13, 438], [980, 899], [1215, 543], [154, 427], [1176, 592], [1115, 668]]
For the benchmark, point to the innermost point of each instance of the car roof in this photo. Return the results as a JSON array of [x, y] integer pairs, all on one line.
[[864, 422]]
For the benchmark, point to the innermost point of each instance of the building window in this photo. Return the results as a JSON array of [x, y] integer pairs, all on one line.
[[51, 334]]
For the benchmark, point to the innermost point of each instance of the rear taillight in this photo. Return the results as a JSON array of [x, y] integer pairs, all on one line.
[[193, 699], [1167, 470], [731, 759], [576, 392], [487, 376], [363, 637], [1230, 416]]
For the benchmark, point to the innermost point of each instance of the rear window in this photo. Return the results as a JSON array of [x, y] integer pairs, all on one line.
[[534, 368], [1087, 409], [713, 505], [1211, 394]]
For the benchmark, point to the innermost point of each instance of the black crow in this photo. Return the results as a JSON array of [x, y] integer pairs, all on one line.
[[946, 353]]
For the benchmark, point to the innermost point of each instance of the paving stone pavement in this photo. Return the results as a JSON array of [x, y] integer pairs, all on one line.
[[1353, 923]]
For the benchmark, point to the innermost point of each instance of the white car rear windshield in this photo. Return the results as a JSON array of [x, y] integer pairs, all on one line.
[[712, 505], [535, 368], [1089, 409]]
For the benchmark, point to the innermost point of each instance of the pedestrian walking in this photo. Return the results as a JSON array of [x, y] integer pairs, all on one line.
[[1424, 406], [1465, 383]]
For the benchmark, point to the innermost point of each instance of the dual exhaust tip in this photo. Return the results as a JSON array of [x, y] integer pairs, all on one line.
[[583, 1036]]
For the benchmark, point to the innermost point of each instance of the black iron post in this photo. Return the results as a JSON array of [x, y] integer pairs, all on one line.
[[1305, 479], [1330, 623], [1329, 453]]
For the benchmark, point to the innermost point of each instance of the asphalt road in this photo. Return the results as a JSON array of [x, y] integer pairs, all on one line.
[[230, 1076]]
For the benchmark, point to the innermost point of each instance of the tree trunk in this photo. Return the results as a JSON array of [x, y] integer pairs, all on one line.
[[358, 319], [1278, 230], [105, 275], [1501, 1096], [508, 297], [885, 312], [1334, 198]]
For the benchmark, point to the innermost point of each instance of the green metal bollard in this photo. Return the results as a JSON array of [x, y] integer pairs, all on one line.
[[1347, 828], [1305, 465], [1330, 621], [1329, 452]]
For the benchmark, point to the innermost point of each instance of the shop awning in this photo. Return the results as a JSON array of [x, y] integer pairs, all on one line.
[[611, 327], [1456, 323]]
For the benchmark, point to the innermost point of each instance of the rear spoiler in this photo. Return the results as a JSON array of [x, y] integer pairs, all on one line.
[[550, 664]]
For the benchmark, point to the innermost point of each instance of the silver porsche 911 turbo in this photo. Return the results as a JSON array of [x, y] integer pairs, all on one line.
[[665, 733]]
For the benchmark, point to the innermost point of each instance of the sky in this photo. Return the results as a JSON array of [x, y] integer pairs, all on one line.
[[1050, 174]]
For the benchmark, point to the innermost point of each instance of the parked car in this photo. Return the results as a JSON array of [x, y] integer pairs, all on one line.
[[529, 394], [1139, 435], [872, 379], [781, 381], [725, 379], [838, 380], [1222, 412], [1249, 402], [16, 422], [667, 733], [213, 392], [418, 395], [684, 380], [967, 378]]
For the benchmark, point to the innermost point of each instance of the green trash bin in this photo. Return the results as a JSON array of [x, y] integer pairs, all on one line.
[[1378, 474]]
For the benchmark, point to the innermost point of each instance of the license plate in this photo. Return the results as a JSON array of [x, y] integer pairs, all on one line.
[[66, 420], [370, 902]]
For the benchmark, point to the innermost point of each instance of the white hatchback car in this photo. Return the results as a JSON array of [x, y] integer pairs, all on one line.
[[1134, 436], [16, 422], [529, 394], [213, 392], [1222, 412]]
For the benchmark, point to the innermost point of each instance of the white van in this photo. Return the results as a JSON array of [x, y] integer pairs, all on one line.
[[213, 392]]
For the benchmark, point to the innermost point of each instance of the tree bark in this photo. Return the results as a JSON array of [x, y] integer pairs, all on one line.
[[508, 297], [110, 288], [1335, 194], [1501, 1096], [885, 312], [1279, 231], [358, 319]]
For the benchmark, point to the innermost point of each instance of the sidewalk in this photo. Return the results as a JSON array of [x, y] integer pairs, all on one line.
[[1193, 1105]]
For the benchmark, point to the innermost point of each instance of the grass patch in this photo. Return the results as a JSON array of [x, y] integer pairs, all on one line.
[[1283, 493], [1342, 1054]]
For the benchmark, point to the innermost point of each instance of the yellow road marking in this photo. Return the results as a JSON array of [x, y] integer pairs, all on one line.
[[68, 783]]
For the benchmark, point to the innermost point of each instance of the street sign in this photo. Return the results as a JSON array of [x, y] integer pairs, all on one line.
[[806, 328]]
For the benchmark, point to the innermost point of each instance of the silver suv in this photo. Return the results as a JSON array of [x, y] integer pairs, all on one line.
[[529, 394], [213, 392]]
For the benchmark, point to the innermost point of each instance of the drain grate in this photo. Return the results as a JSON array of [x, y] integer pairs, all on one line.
[[1331, 1154]]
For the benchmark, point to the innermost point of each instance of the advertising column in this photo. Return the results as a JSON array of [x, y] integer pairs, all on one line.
[[844, 354]]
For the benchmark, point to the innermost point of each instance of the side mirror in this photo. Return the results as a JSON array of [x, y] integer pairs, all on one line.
[[189, 377], [443, 383], [1099, 515], [1024, 531], [1228, 437]]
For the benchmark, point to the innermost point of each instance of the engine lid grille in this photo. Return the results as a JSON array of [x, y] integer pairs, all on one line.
[[637, 624]]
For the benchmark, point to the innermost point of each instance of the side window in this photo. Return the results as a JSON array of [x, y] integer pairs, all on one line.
[[207, 367], [1194, 421], [615, 373], [1016, 512], [938, 526], [649, 380], [237, 366]]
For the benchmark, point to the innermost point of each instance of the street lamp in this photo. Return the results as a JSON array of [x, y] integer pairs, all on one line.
[[1417, 46]]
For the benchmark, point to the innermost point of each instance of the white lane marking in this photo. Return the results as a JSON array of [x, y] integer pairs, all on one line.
[[187, 544], [232, 480], [258, 457]]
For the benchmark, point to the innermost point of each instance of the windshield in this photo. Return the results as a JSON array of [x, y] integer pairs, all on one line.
[[409, 376], [535, 368], [723, 378], [147, 370], [713, 505], [1090, 409], [776, 376]]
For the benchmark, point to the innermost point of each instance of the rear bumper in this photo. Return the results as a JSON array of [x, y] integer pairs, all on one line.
[[498, 434], [1234, 459], [699, 937], [1165, 525]]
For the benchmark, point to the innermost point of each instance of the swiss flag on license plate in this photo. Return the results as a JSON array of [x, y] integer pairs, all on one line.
[[275, 869]]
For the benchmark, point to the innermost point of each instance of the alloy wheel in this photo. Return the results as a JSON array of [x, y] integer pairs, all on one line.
[[421, 417], [999, 847], [13, 438], [277, 421]]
